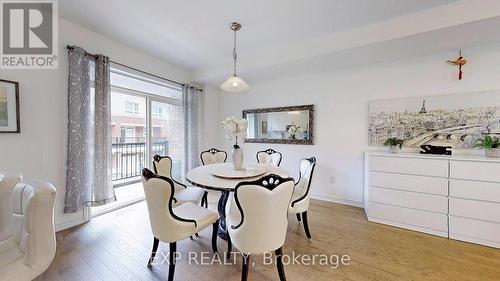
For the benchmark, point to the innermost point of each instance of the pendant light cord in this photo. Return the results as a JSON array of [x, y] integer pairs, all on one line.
[[235, 56]]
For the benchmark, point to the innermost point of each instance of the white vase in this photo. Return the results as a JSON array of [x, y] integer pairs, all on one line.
[[394, 149], [237, 157], [494, 152]]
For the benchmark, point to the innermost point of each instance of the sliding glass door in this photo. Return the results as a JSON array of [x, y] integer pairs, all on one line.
[[146, 119], [128, 133], [167, 136]]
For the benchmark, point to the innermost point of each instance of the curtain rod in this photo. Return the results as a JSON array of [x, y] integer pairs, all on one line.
[[69, 47]]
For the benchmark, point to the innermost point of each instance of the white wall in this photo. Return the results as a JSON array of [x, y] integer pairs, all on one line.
[[340, 100], [40, 150], [209, 118]]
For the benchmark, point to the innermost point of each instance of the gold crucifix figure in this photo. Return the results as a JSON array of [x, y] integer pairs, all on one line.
[[460, 62]]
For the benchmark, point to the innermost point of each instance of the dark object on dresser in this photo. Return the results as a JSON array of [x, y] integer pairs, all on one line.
[[431, 149]]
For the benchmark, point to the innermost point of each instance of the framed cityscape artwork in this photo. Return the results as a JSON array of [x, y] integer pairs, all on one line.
[[456, 120], [9, 107]]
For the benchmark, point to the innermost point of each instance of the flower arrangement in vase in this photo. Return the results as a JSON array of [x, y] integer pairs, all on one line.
[[236, 131], [294, 130]]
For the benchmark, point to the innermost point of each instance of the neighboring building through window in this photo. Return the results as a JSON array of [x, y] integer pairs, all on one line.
[[157, 111], [131, 107], [128, 134]]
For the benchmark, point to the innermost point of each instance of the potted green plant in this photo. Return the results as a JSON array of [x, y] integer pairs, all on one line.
[[491, 146], [394, 144]]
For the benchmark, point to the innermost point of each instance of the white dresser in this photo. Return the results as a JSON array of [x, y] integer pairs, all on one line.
[[450, 196]]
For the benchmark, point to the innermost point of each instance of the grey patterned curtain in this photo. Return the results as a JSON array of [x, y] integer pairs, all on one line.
[[190, 102], [88, 177]]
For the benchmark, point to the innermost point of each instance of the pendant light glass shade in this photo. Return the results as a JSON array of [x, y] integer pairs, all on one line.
[[235, 84]]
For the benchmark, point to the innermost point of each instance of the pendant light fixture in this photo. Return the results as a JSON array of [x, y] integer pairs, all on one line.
[[234, 83]]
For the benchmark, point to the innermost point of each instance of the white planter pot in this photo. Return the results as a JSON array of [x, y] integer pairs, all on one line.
[[237, 158], [394, 149], [495, 152]]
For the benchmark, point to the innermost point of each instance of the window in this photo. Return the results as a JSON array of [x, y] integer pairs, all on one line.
[[132, 107], [157, 111], [146, 119]]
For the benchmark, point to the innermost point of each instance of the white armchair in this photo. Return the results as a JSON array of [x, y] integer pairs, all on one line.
[[31, 246], [7, 184], [163, 166], [171, 224], [257, 218], [269, 156], [301, 194]]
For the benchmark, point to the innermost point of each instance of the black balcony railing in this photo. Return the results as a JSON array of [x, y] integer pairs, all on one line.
[[137, 139], [128, 157]]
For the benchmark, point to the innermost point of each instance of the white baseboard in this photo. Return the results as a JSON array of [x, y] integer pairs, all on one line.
[[68, 224], [338, 200]]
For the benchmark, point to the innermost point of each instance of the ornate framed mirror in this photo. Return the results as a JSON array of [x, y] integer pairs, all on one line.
[[285, 125]]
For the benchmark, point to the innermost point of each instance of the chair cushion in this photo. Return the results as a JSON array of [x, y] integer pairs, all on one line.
[[202, 216], [9, 252], [18, 271], [4, 236], [189, 194]]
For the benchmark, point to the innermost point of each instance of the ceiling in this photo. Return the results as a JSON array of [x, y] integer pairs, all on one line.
[[195, 34]]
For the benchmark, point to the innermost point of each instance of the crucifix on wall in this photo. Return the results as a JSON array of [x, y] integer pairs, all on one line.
[[460, 61]]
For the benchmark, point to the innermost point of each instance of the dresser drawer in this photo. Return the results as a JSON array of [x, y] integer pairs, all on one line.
[[422, 221], [423, 184], [419, 201], [481, 232], [475, 170], [475, 209], [487, 191], [412, 166]]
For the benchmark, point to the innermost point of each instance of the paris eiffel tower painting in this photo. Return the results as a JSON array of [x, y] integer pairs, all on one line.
[[456, 120]]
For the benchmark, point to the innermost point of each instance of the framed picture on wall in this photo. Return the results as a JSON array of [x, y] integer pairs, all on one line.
[[457, 120], [9, 107]]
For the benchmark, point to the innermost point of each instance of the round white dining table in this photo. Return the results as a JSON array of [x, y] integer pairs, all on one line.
[[204, 177]]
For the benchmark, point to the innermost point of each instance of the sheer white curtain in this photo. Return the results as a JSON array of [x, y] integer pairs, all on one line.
[[191, 110]]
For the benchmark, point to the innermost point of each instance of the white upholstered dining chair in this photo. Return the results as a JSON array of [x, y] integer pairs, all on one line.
[[170, 224], [211, 156], [269, 156], [163, 166], [301, 194], [257, 218], [31, 244]]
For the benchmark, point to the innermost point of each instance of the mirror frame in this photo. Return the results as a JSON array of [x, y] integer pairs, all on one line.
[[309, 107]]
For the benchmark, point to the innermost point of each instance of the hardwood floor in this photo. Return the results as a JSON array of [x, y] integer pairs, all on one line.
[[116, 246]]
